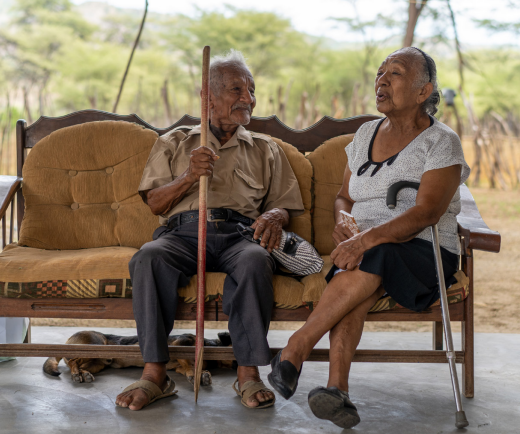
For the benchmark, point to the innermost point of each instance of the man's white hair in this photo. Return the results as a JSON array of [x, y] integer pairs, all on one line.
[[233, 59]]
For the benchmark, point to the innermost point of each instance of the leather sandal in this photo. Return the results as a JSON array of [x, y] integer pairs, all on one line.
[[153, 391], [250, 388], [332, 404], [284, 376]]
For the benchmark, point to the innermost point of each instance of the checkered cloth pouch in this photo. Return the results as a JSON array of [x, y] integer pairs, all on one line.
[[294, 253]]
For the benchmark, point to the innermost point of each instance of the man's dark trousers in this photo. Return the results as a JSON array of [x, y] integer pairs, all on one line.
[[167, 263]]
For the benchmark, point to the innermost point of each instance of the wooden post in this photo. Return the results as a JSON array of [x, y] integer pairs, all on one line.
[[437, 336], [203, 219]]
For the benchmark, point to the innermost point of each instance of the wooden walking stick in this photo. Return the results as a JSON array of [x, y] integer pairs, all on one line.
[[203, 219]]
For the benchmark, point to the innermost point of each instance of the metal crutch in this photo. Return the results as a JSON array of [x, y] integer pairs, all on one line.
[[391, 201]]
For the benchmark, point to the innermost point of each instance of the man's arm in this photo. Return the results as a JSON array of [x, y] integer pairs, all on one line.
[[163, 199]]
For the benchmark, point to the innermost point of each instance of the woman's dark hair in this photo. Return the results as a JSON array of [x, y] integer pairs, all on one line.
[[429, 74]]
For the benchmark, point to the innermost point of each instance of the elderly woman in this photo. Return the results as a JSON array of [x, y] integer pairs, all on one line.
[[393, 254]]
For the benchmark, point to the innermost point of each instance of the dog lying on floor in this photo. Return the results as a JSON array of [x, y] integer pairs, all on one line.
[[82, 370]]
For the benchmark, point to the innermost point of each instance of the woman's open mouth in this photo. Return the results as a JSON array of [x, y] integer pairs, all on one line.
[[380, 97]]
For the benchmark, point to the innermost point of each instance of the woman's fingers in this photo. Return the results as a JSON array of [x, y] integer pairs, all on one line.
[[348, 254], [341, 233]]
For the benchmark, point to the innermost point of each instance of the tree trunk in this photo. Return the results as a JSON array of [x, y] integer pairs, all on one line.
[[26, 107], [136, 42], [166, 101], [415, 8]]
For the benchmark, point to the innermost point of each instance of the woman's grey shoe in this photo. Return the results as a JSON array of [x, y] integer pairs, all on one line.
[[333, 404]]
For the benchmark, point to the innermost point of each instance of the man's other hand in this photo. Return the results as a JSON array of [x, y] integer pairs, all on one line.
[[269, 226], [202, 160]]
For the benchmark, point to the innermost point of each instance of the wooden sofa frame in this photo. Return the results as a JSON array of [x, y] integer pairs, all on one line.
[[473, 232]]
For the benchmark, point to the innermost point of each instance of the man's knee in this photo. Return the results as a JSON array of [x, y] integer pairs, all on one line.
[[146, 254], [256, 260]]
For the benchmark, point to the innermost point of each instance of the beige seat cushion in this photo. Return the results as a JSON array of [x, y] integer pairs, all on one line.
[[80, 188], [329, 161]]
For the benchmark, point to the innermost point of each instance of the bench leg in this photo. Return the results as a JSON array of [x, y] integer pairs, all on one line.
[[468, 337], [27, 339], [437, 341]]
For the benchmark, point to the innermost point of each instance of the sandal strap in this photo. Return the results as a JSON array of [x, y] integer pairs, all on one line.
[[250, 388], [149, 387]]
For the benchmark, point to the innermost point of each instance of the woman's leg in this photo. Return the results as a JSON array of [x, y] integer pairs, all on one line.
[[344, 339], [344, 292]]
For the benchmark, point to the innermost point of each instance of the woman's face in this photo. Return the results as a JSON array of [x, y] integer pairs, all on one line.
[[394, 84]]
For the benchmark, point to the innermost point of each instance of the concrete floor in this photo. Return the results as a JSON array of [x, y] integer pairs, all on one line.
[[391, 398]]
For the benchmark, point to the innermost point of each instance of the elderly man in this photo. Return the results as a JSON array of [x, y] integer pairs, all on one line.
[[250, 181]]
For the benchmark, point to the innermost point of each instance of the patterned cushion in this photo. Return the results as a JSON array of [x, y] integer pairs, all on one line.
[[103, 273]]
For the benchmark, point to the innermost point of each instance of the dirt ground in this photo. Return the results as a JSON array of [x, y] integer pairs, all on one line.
[[497, 278]]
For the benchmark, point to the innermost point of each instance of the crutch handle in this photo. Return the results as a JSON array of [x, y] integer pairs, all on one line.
[[460, 420], [391, 195]]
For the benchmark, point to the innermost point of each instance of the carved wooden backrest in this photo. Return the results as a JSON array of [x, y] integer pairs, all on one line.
[[305, 140]]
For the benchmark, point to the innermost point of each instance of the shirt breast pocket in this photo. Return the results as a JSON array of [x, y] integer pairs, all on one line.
[[249, 181]]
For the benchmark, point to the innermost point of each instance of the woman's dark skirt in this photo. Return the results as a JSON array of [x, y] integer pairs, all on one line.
[[408, 271]]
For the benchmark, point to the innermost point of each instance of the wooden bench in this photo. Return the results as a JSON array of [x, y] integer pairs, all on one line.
[[474, 234]]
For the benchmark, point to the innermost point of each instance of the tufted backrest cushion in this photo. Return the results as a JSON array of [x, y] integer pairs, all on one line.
[[328, 161], [302, 225], [80, 188]]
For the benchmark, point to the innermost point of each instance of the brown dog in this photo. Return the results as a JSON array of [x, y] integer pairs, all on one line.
[[82, 370]]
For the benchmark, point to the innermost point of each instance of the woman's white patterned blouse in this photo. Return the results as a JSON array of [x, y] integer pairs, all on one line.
[[435, 148]]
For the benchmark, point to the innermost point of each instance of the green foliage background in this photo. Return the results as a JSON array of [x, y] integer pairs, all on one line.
[[64, 63]]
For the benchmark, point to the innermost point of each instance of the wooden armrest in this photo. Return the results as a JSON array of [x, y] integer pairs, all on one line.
[[9, 185], [476, 233]]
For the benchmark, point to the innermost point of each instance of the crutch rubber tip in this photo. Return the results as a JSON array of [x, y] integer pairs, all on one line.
[[460, 420]]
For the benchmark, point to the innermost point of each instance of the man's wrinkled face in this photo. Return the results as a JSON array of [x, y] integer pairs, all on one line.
[[236, 100]]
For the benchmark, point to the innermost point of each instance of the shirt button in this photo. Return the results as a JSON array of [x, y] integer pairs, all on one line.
[[75, 205], [114, 206], [73, 172], [109, 170]]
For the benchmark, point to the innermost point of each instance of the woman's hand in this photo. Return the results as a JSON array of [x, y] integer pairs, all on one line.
[[349, 253], [341, 233]]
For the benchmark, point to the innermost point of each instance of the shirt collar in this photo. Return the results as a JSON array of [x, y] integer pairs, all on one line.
[[240, 134]]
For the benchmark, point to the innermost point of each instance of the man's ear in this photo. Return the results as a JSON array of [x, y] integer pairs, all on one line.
[[425, 93], [211, 99]]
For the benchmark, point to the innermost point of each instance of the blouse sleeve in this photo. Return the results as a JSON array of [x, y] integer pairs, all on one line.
[[349, 149], [352, 148], [446, 152]]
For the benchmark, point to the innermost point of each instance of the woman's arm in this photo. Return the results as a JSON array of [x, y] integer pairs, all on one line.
[[433, 198], [343, 202]]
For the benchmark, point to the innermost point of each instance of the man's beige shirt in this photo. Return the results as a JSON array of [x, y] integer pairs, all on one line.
[[251, 177]]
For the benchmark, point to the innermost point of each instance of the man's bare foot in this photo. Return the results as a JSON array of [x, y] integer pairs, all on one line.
[[137, 398], [250, 373]]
